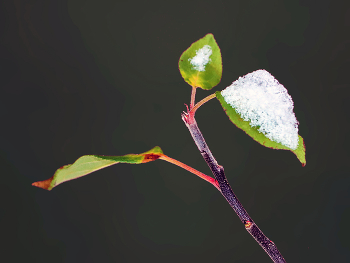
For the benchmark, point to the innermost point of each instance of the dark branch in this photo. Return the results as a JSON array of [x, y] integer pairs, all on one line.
[[218, 171]]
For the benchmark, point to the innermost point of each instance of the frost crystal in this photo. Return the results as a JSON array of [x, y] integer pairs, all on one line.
[[201, 58], [260, 99]]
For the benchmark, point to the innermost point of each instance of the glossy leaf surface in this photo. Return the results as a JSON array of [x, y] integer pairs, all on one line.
[[201, 65], [91, 163]]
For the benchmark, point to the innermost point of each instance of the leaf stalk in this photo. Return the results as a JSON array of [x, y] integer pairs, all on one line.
[[193, 110], [193, 96], [192, 170]]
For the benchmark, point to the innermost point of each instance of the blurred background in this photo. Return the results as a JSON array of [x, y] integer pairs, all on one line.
[[84, 77]]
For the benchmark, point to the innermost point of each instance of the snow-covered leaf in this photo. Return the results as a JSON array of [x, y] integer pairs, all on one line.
[[258, 104], [200, 65]]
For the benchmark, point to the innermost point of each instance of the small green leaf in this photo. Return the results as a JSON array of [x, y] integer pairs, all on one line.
[[257, 135], [201, 65], [91, 163]]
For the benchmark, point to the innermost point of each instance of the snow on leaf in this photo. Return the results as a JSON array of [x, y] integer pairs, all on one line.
[[201, 58], [260, 99]]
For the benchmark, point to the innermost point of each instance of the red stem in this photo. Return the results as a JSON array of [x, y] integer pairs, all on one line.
[[192, 170]]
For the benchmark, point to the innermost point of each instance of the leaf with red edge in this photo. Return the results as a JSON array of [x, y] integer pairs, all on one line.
[[91, 163]]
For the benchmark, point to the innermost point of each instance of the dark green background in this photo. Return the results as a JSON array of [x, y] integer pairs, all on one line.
[[101, 77]]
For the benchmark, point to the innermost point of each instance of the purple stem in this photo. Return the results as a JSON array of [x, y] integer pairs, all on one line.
[[218, 171]]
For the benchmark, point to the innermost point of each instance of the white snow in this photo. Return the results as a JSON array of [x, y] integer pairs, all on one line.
[[259, 98], [201, 58]]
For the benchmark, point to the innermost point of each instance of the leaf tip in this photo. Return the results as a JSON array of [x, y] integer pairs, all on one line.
[[302, 152], [46, 184]]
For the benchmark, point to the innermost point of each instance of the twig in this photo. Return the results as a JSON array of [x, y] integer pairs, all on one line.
[[218, 171]]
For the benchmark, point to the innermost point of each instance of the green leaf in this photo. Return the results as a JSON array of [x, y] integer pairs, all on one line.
[[257, 135], [91, 163], [201, 65]]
